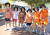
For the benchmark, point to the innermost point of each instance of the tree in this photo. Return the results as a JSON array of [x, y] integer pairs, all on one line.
[[33, 3], [36, 2]]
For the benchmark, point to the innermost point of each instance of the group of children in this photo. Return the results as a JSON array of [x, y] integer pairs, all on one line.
[[36, 17]]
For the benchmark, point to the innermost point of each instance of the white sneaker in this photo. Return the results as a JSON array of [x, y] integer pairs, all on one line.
[[44, 33], [36, 31], [40, 33], [11, 29], [5, 29]]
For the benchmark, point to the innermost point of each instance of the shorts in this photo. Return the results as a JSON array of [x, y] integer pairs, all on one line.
[[7, 19], [35, 23], [43, 23], [29, 24], [14, 20]]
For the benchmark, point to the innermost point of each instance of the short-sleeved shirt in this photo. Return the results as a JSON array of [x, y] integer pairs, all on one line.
[[8, 12], [15, 14], [22, 14], [29, 18], [36, 16], [43, 14]]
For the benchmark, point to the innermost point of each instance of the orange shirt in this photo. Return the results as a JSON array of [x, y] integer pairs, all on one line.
[[36, 16], [8, 12], [29, 18], [43, 14]]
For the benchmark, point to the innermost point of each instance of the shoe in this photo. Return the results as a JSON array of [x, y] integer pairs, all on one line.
[[11, 29], [33, 31], [44, 33], [36, 31], [5, 29], [40, 33], [27, 30]]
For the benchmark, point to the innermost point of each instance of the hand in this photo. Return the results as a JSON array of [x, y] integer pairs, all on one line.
[[42, 19]]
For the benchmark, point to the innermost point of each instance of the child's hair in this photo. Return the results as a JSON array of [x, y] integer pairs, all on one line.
[[29, 10], [16, 7], [37, 8], [23, 8], [7, 3]]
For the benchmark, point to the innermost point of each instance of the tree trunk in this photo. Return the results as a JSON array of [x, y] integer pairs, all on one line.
[[31, 4]]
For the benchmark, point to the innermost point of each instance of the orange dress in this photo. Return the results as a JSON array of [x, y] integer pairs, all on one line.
[[43, 14], [36, 16], [29, 18]]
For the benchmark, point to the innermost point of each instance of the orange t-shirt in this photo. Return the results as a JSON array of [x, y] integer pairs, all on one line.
[[43, 14], [8, 12], [36, 16], [29, 18]]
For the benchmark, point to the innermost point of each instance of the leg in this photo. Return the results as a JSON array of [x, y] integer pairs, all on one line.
[[6, 26], [6, 23], [9, 24], [13, 23], [44, 28], [40, 29]]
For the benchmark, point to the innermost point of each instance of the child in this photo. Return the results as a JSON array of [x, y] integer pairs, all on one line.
[[44, 17], [21, 16], [8, 13], [36, 15], [28, 20], [15, 14]]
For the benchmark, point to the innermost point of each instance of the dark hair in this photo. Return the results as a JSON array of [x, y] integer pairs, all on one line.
[[37, 8], [23, 8], [29, 10], [7, 3], [16, 7], [43, 5]]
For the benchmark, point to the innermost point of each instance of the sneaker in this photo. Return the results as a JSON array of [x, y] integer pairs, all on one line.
[[44, 33], [27, 30], [5, 29], [36, 31], [33, 31], [40, 33], [11, 29]]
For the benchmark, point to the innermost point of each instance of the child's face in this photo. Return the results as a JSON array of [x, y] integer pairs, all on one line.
[[22, 9], [7, 5], [43, 7], [35, 9], [29, 11], [15, 9]]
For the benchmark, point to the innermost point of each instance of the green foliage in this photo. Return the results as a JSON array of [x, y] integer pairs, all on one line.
[[35, 2]]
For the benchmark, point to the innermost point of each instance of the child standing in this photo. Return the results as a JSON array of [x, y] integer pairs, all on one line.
[[15, 14], [44, 17], [36, 15], [21, 16], [8, 13], [28, 20]]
